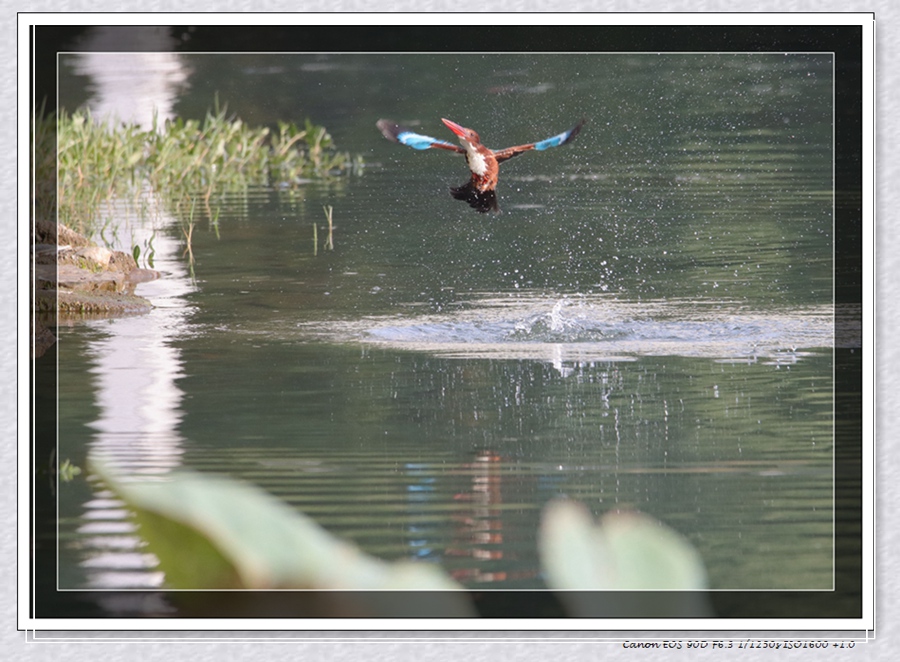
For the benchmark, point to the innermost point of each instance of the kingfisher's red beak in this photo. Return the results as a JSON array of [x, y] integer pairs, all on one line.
[[455, 128]]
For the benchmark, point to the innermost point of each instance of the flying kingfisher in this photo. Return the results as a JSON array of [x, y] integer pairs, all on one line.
[[480, 191]]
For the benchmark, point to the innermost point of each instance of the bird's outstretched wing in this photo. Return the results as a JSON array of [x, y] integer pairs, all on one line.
[[557, 140], [398, 134]]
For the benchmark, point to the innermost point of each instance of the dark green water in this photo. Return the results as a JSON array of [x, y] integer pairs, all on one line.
[[648, 324]]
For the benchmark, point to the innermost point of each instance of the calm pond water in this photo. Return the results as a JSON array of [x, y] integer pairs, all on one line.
[[647, 324]]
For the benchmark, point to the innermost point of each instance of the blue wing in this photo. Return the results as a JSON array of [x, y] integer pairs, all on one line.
[[557, 140], [398, 134], [560, 139]]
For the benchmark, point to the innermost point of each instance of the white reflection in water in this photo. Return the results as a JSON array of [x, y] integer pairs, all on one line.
[[131, 87], [136, 368], [135, 363]]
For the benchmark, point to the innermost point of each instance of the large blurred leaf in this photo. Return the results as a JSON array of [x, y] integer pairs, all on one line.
[[629, 552], [211, 532]]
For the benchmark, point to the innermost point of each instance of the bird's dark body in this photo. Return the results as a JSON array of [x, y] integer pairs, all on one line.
[[483, 201]]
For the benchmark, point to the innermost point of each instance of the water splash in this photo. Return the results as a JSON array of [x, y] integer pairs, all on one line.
[[587, 328], [562, 324]]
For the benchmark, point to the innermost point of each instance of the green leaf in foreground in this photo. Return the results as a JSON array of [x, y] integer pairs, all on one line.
[[627, 551], [211, 532]]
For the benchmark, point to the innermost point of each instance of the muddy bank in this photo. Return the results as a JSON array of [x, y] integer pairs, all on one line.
[[76, 280]]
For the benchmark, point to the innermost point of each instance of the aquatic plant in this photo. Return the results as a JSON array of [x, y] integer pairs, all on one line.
[[43, 171], [183, 161], [329, 242], [68, 471]]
